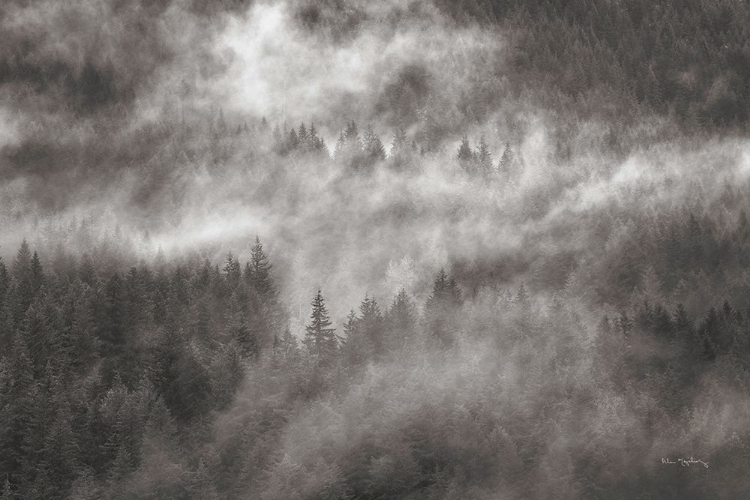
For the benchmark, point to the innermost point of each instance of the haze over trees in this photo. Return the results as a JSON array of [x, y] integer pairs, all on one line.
[[357, 250]]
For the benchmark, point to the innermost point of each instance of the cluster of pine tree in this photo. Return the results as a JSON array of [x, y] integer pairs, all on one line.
[[119, 384], [689, 59], [96, 364]]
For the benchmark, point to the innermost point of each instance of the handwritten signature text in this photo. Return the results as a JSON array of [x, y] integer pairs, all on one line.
[[685, 462]]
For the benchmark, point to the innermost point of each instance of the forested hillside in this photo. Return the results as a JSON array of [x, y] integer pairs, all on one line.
[[688, 60], [352, 250]]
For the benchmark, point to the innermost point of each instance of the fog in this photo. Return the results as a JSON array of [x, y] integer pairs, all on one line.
[[135, 129]]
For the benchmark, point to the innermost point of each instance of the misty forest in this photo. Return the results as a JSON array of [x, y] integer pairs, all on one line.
[[349, 250]]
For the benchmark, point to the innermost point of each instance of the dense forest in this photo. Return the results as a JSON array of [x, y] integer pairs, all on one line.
[[182, 380], [351, 250]]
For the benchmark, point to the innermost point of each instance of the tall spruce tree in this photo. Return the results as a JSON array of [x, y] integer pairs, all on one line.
[[320, 338], [400, 320], [260, 272], [464, 152], [371, 326], [441, 310], [484, 159]]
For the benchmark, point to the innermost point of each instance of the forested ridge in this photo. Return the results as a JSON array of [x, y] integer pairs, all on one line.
[[352, 250], [178, 379], [689, 59]]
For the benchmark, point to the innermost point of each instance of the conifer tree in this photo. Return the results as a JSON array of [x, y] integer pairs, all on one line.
[[441, 310], [401, 320], [288, 344], [315, 143], [60, 455], [42, 335], [400, 142], [507, 162], [349, 149], [373, 147], [260, 277], [112, 324], [302, 135], [292, 141], [24, 289], [232, 270], [22, 264], [484, 159], [400, 150], [320, 338], [4, 280], [23, 424], [370, 325], [36, 274], [464, 152], [354, 346], [86, 271]]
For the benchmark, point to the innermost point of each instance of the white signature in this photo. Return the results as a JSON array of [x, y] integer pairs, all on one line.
[[685, 462]]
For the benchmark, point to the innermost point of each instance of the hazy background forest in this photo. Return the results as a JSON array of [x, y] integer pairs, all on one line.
[[338, 249]]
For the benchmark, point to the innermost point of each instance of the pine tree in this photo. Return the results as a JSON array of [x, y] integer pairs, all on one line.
[[484, 159], [371, 325], [340, 150], [260, 277], [4, 280], [292, 141], [441, 310], [138, 285], [41, 331], [7, 327], [354, 347], [372, 146], [116, 333], [232, 270], [400, 150], [24, 289], [60, 455], [507, 162], [349, 149], [86, 271], [400, 142], [351, 132], [288, 344], [112, 323], [302, 135], [226, 374], [277, 138], [315, 143], [464, 152], [84, 345], [22, 264], [23, 423], [320, 339], [36, 274], [401, 320]]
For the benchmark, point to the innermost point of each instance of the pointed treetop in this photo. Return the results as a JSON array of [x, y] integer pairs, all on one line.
[[320, 338], [464, 150], [260, 277]]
